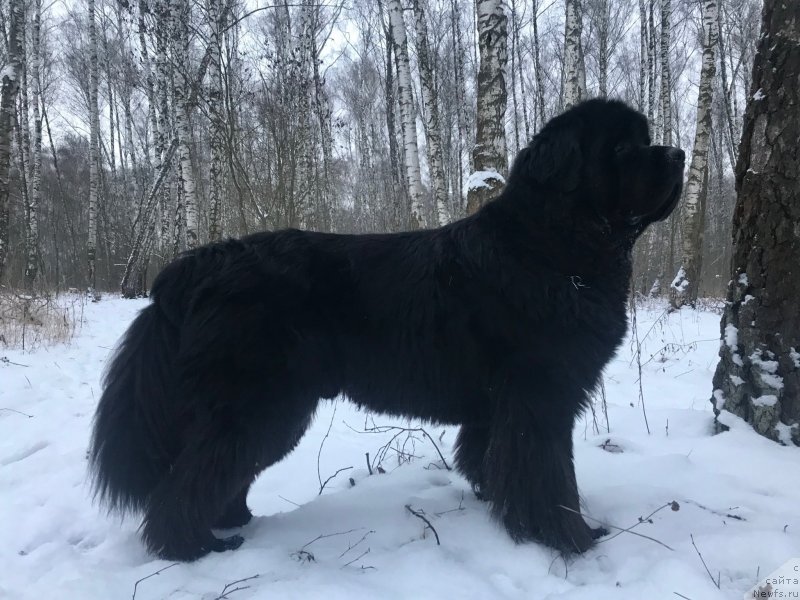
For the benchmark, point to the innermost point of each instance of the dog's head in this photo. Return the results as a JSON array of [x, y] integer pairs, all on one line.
[[597, 162]]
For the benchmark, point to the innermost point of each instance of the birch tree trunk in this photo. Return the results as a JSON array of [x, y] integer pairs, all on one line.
[[181, 13], [651, 67], [94, 154], [304, 180], [758, 376], [490, 155], [537, 65], [685, 284], [407, 114], [432, 131], [666, 83], [574, 71], [602, 50], [642, 55], [11, 74], [217, 121], [32, 238], [461, 104]]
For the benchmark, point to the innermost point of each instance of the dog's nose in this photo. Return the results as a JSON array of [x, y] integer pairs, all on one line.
[[676, 154]]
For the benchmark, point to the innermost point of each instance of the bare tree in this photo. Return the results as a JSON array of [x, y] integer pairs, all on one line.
[[32, 239], [431, 114], [408, 117], [490, 155], [758, 376], [574, 69], [666, 85], [94, 153], [685, 285], [11, 73]]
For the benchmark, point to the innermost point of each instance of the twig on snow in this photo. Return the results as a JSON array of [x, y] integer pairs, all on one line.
[[136, 585], [420, 515]]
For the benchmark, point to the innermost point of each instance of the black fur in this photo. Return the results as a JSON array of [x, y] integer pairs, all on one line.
[[500, 322]]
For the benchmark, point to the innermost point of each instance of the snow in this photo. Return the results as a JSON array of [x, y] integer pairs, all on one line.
[[743, 281], [731, 337], [57, 544], [795, 356], [765, 400], [680, 282], [736, 379], [759, 95], [8, 71], [479, 179]]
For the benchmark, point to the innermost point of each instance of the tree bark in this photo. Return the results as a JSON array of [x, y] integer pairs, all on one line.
[[32, 238], [685, 285], [666, 83], [758, 376], [490, 155], [408, 118], [11, 74], [94, 154], [429, 103], [574, 71], [216, 121]]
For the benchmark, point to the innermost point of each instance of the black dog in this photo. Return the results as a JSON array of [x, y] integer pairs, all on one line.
[[500, 322]]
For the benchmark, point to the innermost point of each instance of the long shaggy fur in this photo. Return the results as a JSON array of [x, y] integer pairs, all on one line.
[[500, 322]]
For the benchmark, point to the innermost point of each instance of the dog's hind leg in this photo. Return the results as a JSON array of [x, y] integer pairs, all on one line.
[[208, 481], [528, 468]]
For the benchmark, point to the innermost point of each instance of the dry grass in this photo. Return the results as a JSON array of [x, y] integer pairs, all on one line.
[[29, 321]]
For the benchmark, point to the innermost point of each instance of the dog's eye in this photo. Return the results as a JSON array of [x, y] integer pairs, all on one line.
[[622, 147]]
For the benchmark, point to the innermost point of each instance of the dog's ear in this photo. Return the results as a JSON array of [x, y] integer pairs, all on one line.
[[552, 159]]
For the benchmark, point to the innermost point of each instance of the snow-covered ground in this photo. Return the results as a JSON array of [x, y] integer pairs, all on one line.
[[738, 496]]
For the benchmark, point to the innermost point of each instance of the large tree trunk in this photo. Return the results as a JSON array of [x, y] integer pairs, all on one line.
[[432, 132], [11, 73], [758, 376], [94, 154], [537, 65], [408, 114], [685, 285], [574, 71], [490, 156]]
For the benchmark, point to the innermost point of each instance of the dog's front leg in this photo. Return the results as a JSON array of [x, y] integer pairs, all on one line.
[[528, 466]]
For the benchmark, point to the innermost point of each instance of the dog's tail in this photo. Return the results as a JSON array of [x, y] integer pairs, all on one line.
[[133, 439]]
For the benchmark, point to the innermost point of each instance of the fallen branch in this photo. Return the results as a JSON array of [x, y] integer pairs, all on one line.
[[226, 591], [621, 529], [428, 525], [136, 585], [717, 582]]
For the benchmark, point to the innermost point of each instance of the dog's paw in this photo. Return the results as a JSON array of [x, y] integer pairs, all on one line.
[[599, 532], [228, 543]]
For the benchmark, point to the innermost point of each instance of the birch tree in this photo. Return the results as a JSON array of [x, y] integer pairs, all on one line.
[[10, 74], [666, 83], [574, 70], [94, 153], [490, 154], [216, 120], [431, 115], [408, 119], [537, 65], [758, 375], [685, 285], [181, 13], [32, 238]]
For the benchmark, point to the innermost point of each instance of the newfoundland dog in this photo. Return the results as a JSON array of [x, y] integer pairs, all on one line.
[[500, 322]]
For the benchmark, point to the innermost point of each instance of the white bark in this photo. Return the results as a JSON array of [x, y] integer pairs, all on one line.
[[666, 83], [11, 74], [217, 124], [574, 71], [537, 64], [685, 290], [304, 179], [431, 116], [490, 153], [94, 152], [642, 54], [408, 118], [32, 238], [181, 13]]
